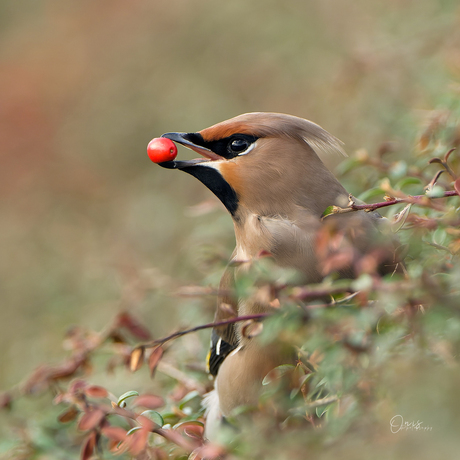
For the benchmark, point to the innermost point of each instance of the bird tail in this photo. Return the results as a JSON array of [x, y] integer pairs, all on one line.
[[213, 414]]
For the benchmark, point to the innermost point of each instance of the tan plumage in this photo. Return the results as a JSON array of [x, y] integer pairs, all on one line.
[[265, 169]]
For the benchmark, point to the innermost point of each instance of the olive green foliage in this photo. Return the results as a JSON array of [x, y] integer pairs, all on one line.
[[102, 251]]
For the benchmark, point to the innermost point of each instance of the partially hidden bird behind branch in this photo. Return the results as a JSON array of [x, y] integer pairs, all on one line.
[[265, 169]]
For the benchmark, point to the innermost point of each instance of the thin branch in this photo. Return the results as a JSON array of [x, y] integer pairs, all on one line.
[[421, 200], [322, 402], [439, 246], [178, 334]]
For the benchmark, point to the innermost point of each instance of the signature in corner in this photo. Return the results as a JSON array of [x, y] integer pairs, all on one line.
[[397, 423]]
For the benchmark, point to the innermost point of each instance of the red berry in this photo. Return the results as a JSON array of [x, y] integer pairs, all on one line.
[[161, 149]]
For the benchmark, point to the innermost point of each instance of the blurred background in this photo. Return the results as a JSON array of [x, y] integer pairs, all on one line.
[[88, 225]]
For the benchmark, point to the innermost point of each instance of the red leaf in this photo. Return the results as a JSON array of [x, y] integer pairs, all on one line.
[[128, 322], [138, 441], [88, 447], [95, 391], [114, 433], [193, 429], [146, 423], [149, 401], [154, 359], [91, 419], [457, 185]]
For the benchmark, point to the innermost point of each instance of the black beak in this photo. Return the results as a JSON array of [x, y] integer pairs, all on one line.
[[183, 138], [201, 168]]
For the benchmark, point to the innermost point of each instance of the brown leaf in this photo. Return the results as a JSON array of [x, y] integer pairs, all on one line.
[[117, 337], [66, 369], [88, 446], [447, 155], [96, 391], [91, 419], [149, 401], [424, 140], [69, 415], [77, 386], [125, 320], [136, 359], [251, 328], [154, 359], [435, 179], [114, 433]]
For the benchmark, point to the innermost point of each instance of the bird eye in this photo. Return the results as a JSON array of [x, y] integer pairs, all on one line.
[[238, 145]]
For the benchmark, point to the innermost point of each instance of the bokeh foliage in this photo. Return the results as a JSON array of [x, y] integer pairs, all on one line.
[[89, 228]]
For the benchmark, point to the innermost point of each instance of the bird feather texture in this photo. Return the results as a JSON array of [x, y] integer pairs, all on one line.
[[280, 188]]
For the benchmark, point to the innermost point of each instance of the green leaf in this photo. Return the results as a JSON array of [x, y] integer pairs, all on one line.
[[327, 212], [125, 396], [277, 373], [170, 417], [154, 416], [407, 181], [435, 192], [321, 410], [295, 391], [132, 430], [187, 398], [439, 236]]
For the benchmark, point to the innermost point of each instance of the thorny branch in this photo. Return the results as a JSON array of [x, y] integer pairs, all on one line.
[[178, 334], [421, 200]]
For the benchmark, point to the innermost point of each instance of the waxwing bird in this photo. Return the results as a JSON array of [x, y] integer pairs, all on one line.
[[265, 169]]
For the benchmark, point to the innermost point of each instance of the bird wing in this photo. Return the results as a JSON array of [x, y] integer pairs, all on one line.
[[224, 338]]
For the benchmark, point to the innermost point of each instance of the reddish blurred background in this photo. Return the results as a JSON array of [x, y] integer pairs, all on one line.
[[88, 225]]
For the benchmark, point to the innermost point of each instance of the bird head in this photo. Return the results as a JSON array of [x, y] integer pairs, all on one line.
[[263, 163]]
